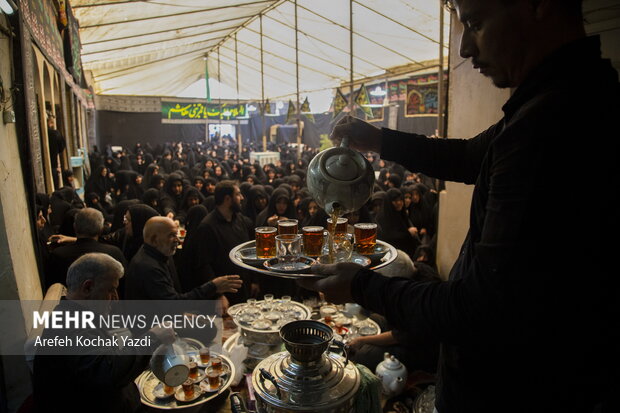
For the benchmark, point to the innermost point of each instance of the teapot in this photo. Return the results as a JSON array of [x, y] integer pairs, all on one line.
[[393, 375], [170, 363], [340, 178]]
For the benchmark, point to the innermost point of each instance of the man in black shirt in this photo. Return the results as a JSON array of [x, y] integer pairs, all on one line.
[[525, 325], [57, 145], [88, 226], [220, 231], [152, 274], [99, 378]]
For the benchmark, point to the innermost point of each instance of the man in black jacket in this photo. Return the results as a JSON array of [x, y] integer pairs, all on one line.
[[525, 326], [57, 146], [152, 275], [88, 226], [220, 231], [89, 378]]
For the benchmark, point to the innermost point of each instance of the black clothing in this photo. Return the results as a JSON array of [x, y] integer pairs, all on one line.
[[194, 217], [250, 209], [521, 329], [169, 201], [307, 220], [62, 257], [185, 206], [393, 226], [152, 276], [56, 146], [278, 194], [149, 173], [139, 214], [98, 380], [422, 213], [119, 213], [126, 182], [151, 198], [101, 185], [183, 260], [210, 245]]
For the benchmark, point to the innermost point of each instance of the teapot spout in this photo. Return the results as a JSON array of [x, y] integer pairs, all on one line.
[[331, 206]]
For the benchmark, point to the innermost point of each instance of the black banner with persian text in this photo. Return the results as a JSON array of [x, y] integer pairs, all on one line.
[[41, 18], [73, 46]]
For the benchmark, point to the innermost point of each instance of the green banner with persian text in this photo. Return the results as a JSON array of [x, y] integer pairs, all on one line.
[[197, 112]]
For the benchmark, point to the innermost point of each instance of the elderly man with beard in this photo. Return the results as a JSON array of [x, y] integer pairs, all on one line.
[[152, 274], [220, 231]]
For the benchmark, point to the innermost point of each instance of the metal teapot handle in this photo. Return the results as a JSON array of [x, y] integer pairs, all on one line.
[[265, 375], [236, 404], [344, 350]]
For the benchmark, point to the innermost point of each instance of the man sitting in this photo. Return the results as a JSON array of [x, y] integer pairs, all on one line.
[[97, 379], [152, 274], [88, 226]]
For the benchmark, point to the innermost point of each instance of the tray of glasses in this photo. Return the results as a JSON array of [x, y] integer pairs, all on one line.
[[244, 255], [260, 321], [152, 394]]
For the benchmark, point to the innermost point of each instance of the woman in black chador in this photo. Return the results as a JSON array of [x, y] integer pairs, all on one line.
[[256, 202], [394, 226]]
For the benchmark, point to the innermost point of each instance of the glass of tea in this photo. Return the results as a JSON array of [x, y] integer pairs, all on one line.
[[168, 389], [313, 240], [365, 237], [265, 242], [216, 364], [188, 388], [193, 370], [341, 225], [205, 355], [213, 377], [287, 226]]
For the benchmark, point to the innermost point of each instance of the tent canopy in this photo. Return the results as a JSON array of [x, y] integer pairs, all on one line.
[[160, 47]]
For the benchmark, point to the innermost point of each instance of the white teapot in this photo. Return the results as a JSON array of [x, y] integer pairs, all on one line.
[[393, 375], [340, 178], [170, 363]]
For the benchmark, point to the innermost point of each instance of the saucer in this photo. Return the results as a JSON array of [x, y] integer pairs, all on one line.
[[248, 256], [205, 387], [379, 252], [298, 265], [355, 258], [158, 392], [180, 396]]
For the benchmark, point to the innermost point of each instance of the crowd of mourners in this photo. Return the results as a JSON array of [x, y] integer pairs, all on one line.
[[178, 180], [171, 214]]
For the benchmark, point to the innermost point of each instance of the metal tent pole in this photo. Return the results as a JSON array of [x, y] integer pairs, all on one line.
[[219, 90], [262, 84], [297, 83], [440, 84], [351, 97], [238, 130]]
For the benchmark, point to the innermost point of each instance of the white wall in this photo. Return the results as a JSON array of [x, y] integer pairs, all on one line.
[[473, 105]]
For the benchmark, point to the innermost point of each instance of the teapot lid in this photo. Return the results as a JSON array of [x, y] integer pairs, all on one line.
[[342, 166], [391, 362]]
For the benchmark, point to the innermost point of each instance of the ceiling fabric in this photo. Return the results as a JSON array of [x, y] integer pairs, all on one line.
[[158, 47]]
